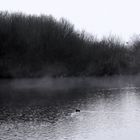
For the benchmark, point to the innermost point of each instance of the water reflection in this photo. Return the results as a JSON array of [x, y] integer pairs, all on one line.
[[49, 115]]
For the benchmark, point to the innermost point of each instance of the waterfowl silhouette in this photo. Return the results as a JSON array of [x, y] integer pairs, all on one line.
[[77, 110]]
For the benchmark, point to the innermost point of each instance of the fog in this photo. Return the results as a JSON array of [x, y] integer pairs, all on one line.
[[49, 83]]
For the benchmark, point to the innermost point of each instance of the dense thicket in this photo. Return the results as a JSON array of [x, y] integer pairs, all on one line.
[[37, 46]]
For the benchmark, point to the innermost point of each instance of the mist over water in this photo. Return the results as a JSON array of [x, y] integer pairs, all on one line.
[[66, 83], [106, 112]]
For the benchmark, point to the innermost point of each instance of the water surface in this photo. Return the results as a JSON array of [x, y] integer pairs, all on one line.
[[106, 114]]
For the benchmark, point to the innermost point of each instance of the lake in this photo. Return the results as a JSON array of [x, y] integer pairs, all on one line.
[[106, 113]]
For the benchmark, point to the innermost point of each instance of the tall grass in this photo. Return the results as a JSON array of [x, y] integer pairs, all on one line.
[[38, 46]]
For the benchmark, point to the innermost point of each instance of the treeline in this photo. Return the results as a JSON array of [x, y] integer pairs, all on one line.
[[37, 46]]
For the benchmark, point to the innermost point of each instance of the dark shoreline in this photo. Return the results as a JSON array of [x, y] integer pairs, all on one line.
[[37, 46]]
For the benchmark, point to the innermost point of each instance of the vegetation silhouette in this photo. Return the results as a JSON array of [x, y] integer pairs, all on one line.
[[36, 46]]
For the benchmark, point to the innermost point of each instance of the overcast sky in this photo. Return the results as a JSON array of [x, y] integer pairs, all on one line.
[[99, 17]]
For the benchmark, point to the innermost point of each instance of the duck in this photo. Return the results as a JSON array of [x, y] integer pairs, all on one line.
[[77, 110]]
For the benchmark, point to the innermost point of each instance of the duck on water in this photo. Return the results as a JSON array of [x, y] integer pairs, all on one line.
[[77, 110]]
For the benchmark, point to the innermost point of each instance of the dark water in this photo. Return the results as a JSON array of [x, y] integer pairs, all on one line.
[[106, 114]]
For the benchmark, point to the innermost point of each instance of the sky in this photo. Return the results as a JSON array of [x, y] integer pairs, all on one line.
[[97, 17]]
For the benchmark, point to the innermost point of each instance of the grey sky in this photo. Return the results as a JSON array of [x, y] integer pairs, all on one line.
[[99, 17]]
